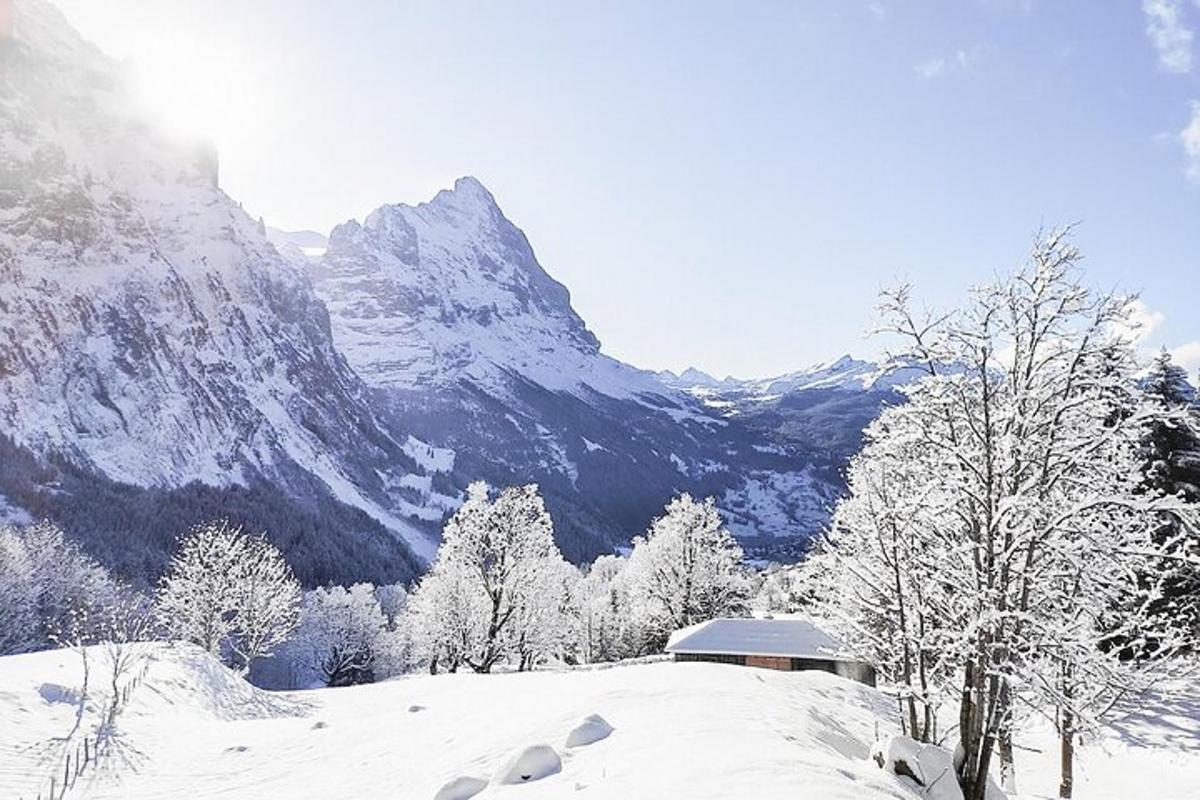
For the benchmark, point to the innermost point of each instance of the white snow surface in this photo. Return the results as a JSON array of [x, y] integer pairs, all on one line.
[[693, 731], [680, 731]]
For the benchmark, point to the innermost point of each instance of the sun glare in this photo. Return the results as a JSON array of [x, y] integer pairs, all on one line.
[[189, 72], [197, 92]]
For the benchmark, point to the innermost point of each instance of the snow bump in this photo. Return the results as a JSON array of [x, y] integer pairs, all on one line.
[[461, 788], [530, 764], [593, 728]]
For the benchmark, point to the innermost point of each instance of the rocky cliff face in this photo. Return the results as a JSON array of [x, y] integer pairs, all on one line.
[[150, 336]]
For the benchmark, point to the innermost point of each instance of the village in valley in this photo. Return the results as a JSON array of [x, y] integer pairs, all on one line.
[[373, 514]]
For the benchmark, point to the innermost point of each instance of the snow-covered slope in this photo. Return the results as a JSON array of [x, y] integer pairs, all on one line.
[[150, 335], [679, 731], [694, 731]]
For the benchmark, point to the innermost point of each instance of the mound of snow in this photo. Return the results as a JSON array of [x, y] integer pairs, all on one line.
[[530, 764], [461, 788], [926, 767], [593, 728]]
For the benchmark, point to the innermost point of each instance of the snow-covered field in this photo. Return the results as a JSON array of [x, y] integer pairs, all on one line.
[[1151, 750], [679, 731]]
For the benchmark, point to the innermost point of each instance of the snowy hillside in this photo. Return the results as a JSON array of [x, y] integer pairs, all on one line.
[[194, 729]]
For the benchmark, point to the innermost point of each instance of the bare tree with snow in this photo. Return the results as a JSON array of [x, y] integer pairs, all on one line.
[[127, 623], [267, 603], [1007, 489], [229, 593]]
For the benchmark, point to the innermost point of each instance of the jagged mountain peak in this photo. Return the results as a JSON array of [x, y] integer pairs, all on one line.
[[467, 206], [450, 290], [468, 195]]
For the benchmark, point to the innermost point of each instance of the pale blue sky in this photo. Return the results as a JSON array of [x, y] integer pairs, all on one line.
[[724, 185]]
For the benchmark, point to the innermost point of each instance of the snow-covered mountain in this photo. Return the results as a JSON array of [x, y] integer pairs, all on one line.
[[159, 361], [444, 309], [165, 359]]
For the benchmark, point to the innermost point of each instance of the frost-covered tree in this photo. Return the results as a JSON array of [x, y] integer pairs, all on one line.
[[871, 577], [487, 596], [782, 589], [393, 601], [447, 611], [18, 594], [1005, 504], [1172, 467], [545, 623], [266, 603], [197, 599], [48, 588], [339, 634], [606, 626], [229, 593], [687, 569]]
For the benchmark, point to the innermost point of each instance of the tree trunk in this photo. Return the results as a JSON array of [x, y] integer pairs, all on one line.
[[1067, 734], [1008, 769], [969, 742]]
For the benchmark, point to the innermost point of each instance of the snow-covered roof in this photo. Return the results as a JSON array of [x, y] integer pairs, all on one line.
[[758, 637]]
